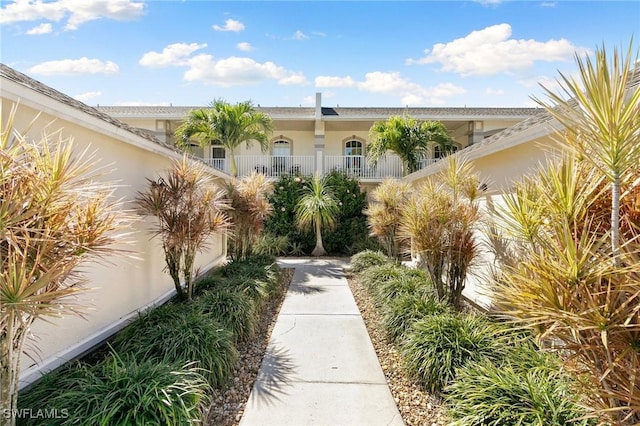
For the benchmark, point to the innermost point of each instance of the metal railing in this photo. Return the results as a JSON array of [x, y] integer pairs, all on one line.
[[356, 166], [359, 167]]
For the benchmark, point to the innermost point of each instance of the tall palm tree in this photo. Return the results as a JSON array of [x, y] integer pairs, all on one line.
[[318, 208], [228, 125], [409, 139]]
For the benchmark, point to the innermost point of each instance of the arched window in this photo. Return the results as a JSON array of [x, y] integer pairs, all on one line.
[[353, 151], [281, 152]]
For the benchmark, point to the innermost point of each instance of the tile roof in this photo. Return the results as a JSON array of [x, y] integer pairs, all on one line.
[[26, 81], [330, 113]]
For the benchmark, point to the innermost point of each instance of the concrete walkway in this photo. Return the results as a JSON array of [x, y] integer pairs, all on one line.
[[320, 367]]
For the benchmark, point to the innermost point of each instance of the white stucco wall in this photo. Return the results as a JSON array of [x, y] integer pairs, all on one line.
[[117, 290]]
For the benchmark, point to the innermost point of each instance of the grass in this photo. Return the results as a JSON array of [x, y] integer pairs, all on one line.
[[527, 388], [236, 311], [181, 333], [120, 391], [399, 315], [366, 259]]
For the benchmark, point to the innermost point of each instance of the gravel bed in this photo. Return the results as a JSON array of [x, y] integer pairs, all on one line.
[[227, 405], [417, 407]]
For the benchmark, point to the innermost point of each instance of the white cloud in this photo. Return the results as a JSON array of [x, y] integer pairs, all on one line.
[[76, 12], [237, 71], [75, 67], [176, 54], [493, 92], [392, 83], [84, 97], [328, 81], [549, 4], [40, 29], [492, 51], [244, 46], [230, 25], [299, 35], [319, 34]]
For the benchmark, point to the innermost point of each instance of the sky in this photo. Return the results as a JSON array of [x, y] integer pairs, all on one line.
[[489, 53]]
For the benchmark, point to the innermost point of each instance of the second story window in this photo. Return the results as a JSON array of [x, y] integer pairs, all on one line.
[[353, 148], [281, 148]]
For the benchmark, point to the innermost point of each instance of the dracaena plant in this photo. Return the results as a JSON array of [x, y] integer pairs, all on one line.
[[57, 212], [189, 208]]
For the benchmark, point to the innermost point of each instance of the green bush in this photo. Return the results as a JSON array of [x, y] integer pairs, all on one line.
[[438, 345], [180, 333], [271, 245], [527, 388], [368, 258], [400, 314], [411, 281], [234, 310], [351, 231], [120, 391], [375, 275]]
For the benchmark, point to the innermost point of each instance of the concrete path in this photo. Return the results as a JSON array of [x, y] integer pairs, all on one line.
[[320, 367]]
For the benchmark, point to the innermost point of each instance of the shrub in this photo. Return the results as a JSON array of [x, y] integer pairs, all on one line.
[[372, 277], [121, 391], [234, 310], [271, 245], [400, 314], [438, 345], [366, 259], [411, 281], [528, 388], [181, 333]]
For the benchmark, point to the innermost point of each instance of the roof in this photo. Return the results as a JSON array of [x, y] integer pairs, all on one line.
[[330, 113], [26, 81]]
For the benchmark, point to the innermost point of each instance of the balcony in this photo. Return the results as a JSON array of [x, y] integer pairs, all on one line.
[[269, 165], [356, 166]]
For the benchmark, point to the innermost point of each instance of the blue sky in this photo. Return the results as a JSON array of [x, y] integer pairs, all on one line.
[[364, 53]]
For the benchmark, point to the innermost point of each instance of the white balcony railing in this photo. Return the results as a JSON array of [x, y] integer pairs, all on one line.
[[354, 165], [359, 167], [269, 165]]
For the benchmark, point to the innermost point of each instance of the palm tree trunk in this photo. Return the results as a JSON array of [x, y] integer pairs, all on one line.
[[615, 219], [11, 342], [319, 249], [232, 164]]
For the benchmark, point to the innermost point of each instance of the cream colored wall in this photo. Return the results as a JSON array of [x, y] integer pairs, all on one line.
[[116, 290], [303, 143], [334, 141]]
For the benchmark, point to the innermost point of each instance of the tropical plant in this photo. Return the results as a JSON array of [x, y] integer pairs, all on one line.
[[250, 207], [189, 208], [317, 208], [227, 125], [385, 213], [574, 276], [440, 220], [57, 212], [400, 313], [180, 333], [366, 259], [438, 345], [272, 245], [409, 139], [233, 309], [121, 390], [528, 387]]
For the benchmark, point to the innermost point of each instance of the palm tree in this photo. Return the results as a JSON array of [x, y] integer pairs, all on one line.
[[57, 212], [318, 208], [250, 207], [227, 125], [601, 120], [189, 208], [408, 138]]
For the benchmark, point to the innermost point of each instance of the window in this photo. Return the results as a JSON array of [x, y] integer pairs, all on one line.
[[281, 153], [353, 151], [218, 156], [438, 152]]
